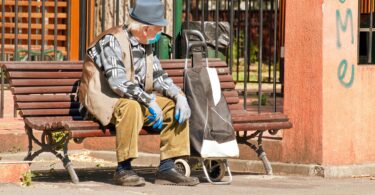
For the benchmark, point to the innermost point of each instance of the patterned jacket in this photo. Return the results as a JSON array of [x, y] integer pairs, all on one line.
[[107, 55]]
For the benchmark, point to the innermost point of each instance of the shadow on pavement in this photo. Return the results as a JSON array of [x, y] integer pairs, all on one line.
[[104, 175]]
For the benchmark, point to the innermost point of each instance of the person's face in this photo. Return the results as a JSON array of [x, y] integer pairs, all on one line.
[[148, 33]]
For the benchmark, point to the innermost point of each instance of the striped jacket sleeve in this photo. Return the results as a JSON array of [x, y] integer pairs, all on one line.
[[107, 55]]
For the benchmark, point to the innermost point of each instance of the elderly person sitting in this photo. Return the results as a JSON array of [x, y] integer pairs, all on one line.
[[119, 74]]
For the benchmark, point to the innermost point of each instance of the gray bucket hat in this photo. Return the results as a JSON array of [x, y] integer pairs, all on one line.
[[149, 12]]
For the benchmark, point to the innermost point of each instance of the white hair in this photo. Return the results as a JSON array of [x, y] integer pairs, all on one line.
[[134, 25]]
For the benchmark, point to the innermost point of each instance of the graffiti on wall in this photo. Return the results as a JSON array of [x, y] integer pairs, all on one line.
[[342, 27]]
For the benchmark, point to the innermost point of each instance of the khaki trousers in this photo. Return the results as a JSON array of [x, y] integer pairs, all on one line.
[[130, 117]]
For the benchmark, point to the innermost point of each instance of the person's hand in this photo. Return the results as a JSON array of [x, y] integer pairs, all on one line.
[[182, 110], [156, 115]]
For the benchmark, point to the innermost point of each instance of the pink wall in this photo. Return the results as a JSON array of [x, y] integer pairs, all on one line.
[[332, 110], [349, 101], [303, 81]]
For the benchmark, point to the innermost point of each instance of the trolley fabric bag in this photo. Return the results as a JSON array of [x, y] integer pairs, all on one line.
[[211, 132]]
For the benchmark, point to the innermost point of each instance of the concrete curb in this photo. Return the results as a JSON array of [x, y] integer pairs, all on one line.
[[348, 171], [252, 166], [92, 159], [11, 172]]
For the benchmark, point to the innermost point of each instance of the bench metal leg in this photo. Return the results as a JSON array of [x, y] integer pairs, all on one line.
[[245, 139], [47, 146], [67, 163], [29, 134]]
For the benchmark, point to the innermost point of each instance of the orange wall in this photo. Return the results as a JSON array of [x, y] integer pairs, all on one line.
[[303, 81], [349, 107], [332, 110]]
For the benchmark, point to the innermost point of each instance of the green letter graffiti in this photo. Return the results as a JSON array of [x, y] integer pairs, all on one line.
[[341, 72], [343, 26]]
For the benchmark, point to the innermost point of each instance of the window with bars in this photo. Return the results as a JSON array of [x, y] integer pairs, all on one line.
[[366, 50]]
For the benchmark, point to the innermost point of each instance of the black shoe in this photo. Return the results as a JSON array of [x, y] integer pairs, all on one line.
[[173, 177], [128, 178]]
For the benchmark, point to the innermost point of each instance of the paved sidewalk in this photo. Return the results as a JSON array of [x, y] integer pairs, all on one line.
[[98, 181], [96, 169]]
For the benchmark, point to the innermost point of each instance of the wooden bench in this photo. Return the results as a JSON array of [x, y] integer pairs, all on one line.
[[45, 95]]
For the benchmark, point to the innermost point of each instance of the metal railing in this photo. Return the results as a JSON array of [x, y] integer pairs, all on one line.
[[253, 54], [29, 33], [366, 52], [252, 23], [253, 12]]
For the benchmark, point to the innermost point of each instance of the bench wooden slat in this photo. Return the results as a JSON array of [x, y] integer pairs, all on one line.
[[232, 93], [39, 90], [235, 107], [43, 82], [44, 75], [48, 122], [262, 126], [46, 63], [246, 117], [232, 100], [59, 66], [46, 105], [49, 112], [79, 125], [44, 98]]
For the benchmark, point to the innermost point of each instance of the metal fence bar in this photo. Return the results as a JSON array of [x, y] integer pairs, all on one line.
[[187, 15], [246, 66], [88, 38], [83, 29], [260, 63], [2, 56], [29, 32], [206, 9], [174, 49], [117, 12], [15, 56], [238, 33], [231, 36], [114, 13], [43, 28], [55, 32], [2, 30], [216, 27], [359, 30], [249, 27], [275, 53], [270, 39], [69, 28], [370, 34], [196, 10], [202, 16], [103, 15]]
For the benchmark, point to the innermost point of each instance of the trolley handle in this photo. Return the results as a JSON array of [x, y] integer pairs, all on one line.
[[190, 45]]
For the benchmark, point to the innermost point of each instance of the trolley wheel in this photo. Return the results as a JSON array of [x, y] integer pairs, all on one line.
[[216, 169], [183, 167]]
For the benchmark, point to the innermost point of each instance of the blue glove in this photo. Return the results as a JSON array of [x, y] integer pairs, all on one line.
[[182, 110], [156, 115]]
